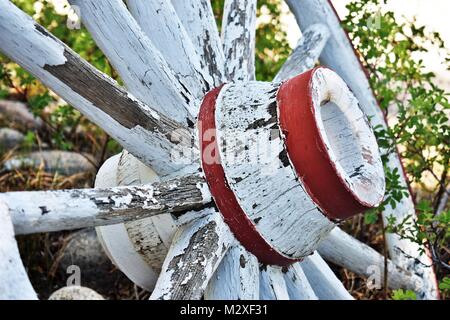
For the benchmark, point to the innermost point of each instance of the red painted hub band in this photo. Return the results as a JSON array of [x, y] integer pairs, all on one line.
[[242, 227], [307, 150]]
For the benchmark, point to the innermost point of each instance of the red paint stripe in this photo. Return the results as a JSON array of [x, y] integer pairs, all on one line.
[[242, 227], [308, 153]]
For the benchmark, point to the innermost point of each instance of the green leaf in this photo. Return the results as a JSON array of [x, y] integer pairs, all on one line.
[[371, 217], [401, 294]]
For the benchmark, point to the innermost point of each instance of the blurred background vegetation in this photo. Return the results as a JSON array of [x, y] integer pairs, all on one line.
[[417, 110]]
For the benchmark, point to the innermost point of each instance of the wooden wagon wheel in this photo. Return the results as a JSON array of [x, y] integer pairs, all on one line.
[[231, 188]]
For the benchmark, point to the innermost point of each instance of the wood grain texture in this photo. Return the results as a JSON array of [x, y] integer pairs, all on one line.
[[135, 57], [271, 284], [114, 238], [236, 278], [150, 237], [259, 173], [347, 252], [14, 282], [339, 55], [306, 53], [196, 251], [238, 37], [297, 283], [97, 96], [45, 211], [324, 282], [160, 22], [198, 19]]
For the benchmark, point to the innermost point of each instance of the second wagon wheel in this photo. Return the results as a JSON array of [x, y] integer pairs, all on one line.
[[231, 188]]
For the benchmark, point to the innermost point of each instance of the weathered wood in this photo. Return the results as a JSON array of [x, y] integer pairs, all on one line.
[[198, 20], [238, 37], [271, 284], [139, 247], [249, 147], [161, 24], [196, 251], [114, 238], [236, 278], [324, 282], [258, 156], [75, 293], [63, 162], [14, 282], [151, 237], [297, 284], [339, 55], [139, 63], [127, 120], [246, 116], [146, 240], [347, 252], [45, 211], [306, 53]]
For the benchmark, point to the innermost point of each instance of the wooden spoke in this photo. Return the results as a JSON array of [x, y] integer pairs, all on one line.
[[297, 284], [238, 37], [345, 251], [196, 251], [198, 19], [161, 24], [45, 211], [306, 53], [138, 62], [156, 213], [14, 282], [236, 278], [340, 56], [127, 120], [271, 284], [324, 282]]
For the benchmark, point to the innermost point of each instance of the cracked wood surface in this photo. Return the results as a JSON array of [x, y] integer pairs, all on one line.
[[325, 283], [271, 283], [161, 24], [196, 251], [144, 234], [306, 53], [97, 96], [14, 282], [114, 238], [134, 56], [259, 173], [238, 37], [198, 19], [236, 278], [45, 211], [297, 284]]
